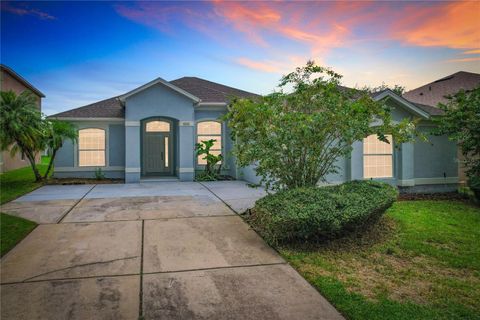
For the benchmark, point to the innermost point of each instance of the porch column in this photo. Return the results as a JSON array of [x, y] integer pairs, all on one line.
[[406, 167], [186, 171], [132, 151]]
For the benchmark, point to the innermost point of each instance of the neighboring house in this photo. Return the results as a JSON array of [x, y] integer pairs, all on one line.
[[150, 132], [431, 94], [10, 80]]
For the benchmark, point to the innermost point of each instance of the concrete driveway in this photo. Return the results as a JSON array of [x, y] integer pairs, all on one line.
[[164, 250]]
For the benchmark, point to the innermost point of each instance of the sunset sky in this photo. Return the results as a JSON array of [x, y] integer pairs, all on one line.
[[81, 52]]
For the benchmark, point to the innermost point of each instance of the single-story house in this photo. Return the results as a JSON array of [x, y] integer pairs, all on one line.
[[11, 80], [150, 133]]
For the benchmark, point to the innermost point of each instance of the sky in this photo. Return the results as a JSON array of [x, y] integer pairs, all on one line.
[[81, 52]]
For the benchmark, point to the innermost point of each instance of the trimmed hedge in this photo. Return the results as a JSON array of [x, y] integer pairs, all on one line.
[[317, 213]]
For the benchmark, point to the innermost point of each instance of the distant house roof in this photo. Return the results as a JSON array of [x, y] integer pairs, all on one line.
[[434, 92], [206, 92], [22, 80]]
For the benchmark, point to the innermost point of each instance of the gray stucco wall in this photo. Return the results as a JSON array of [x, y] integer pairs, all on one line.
[[436, 158], [66, 160], [159, 101]]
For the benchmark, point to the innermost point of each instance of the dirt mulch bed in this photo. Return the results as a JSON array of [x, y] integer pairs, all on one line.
[[72, 181]]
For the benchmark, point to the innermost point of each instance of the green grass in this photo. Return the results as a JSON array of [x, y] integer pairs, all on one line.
[[12, 230], [18, 182], [422, 261]]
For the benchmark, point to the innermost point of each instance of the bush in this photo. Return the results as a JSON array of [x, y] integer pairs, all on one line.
[[474, 184], [320, 213]]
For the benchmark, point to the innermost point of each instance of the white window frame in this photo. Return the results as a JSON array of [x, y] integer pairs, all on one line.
[[105, 148], [392, 173], [221, 135]]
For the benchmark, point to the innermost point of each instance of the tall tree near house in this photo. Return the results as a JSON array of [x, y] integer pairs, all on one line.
[[57, 132], [295, 138], [21, 126], [461, 122]]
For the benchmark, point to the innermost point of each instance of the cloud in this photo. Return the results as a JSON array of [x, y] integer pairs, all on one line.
[[280, 30], [475, 51], [450, 24], [465, 59], [25, 11]]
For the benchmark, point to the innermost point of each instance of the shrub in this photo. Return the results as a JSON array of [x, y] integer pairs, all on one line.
[[99, 175], [304, 214], [474, 184]]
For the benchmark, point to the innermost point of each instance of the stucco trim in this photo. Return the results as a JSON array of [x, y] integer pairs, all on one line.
[[132, 170], [89, 119], [406, 183], [186, 170], [74, 169], [132, 123], [413, 108], [447, 180], [159, 81]]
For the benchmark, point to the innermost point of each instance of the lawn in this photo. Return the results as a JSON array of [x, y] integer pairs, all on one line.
[[12, 230], [16, 183], [422, 261]]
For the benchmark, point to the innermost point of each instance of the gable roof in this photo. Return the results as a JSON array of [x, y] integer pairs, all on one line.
[[416, 109], [163, 82], [434, 92], [199, 90], [21, 80], [209, 91]]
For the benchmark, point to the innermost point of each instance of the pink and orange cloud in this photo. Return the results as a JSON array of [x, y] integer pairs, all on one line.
[[316, 28]]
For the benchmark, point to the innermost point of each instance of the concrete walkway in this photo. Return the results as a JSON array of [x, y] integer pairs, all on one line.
[[166, 250]]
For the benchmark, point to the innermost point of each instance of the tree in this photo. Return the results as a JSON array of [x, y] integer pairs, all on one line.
[[461, 122], [295, 138], [23, 129], [21, 126], [57, 132]]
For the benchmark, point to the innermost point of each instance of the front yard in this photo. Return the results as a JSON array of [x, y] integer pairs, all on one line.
[[422, 261], [16, 183]]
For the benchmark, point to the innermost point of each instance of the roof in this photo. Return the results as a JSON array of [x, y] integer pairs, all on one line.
[[197, 89], [434, 92], [22, 80], [163, 82], [416, 109], [209, 91], [108, 108]]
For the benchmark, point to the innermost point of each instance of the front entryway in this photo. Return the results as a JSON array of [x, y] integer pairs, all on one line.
[[157, 147]]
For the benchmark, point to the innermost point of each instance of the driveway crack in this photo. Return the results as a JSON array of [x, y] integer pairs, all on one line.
[[79, 266]]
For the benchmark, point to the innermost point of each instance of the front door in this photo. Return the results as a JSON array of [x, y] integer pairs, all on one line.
[[157, 148]]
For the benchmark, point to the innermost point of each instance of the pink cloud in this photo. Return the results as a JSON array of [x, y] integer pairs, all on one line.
[[25, 11]]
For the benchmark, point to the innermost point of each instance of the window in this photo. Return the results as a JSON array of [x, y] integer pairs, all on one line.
[[207, 130], [91, 147], [158, 126], [377, 157]]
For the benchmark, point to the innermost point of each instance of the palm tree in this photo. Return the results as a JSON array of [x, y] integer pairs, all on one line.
[[21, 126], [57, 132]]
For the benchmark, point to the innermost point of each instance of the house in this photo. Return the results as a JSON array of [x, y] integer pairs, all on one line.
[[433, 93], [150, 133], [10, 80]]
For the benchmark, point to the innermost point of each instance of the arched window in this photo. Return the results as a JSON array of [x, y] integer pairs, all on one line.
[[377, 157], [207, 130], [158, 126], [91, 147]]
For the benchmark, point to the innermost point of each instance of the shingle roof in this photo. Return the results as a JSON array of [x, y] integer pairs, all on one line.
[[433, 93], [209, 91], [206, 90], [108, 108]]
